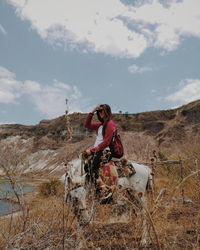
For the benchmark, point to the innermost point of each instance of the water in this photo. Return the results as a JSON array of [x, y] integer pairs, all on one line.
[[7, 207], [7, 192]]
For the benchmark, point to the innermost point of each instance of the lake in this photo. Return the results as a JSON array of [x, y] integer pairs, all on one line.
[[7, 192], [7, 207]]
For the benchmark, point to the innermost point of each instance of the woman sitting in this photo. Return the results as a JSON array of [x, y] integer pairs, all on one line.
[[105, 128]]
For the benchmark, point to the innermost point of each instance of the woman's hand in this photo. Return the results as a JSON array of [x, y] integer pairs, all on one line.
[[88, 152], [95, 109], [95, 150]]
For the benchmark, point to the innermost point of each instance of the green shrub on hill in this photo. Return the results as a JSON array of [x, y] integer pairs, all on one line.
[[51, 187]]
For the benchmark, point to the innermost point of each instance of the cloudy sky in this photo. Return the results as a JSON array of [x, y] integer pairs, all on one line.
[[136, 55]]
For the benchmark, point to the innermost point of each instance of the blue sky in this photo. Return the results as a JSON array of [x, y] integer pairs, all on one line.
[[134, 55]]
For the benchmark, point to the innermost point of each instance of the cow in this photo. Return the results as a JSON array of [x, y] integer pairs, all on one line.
[[76, 189]]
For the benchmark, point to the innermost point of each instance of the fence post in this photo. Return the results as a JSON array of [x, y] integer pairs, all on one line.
[[197, 168], [68, 123], [182, 189]]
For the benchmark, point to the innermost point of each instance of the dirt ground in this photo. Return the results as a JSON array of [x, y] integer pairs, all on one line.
[[176, 227]]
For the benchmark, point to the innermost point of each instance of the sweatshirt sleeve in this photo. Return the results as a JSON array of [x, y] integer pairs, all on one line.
[[91, 125], [107, 137]]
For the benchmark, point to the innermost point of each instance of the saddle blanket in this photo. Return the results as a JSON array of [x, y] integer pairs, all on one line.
[[108, 174]]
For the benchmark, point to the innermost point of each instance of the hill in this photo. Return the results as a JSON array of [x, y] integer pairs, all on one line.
[[166, 131]]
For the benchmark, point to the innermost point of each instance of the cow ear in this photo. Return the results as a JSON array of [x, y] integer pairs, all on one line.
[[123, 161]]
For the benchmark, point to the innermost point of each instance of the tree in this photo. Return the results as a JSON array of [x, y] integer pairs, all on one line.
[[126, 115], [13, 163]]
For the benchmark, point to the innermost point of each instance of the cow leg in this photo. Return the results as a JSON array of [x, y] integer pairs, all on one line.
[[145, 230], [140, 201], [78, 201]]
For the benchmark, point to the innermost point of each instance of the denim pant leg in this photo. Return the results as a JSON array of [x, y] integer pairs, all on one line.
[[96, 163]]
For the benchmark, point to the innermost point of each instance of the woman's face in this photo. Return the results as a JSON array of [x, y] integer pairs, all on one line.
[[101, 113]]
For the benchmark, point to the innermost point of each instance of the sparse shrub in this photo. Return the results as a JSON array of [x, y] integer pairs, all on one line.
[[186, 111], [126, 115], [117, 119], [192, 109], [169, 114], [167, 167], [153, 127], [78, 138], [82, 125], [124, 127], [161, 156], [51, 187]]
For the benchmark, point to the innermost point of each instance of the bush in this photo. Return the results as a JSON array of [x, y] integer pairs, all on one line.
[[161, 156], [186, 111], [169, 114], [193, 109], [51, 187], [117, 119], [126, 115], [125, 127]]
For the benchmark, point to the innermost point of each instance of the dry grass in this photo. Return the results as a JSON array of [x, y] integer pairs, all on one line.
[[171, 216], [49, 224], [138, 147]]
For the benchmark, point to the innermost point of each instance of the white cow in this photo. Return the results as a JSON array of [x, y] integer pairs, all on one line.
[[74, 183], [140, 181], [74, 180], [76, 190]]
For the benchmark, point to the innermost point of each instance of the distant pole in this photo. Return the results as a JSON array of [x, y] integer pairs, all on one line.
[[68, 123]]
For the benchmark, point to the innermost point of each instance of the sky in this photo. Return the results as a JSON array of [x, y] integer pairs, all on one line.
[[135, 55]]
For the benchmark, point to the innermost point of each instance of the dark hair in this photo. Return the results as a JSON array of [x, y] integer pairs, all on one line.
[[108, 115]]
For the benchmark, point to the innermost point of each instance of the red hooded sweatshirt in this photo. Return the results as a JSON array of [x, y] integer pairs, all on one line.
[[108, 135]]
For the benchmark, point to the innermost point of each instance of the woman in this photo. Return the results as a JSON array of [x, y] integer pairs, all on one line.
[[105, 129]]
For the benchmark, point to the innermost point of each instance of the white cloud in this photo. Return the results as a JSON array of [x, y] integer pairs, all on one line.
[[5, 73], [9, 86], [51, 99], [189, 90], [31, 87], [2, 30], [166, 26], [47, 99], [112, 27], [136, 69], [94, 24], [6, 97]]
